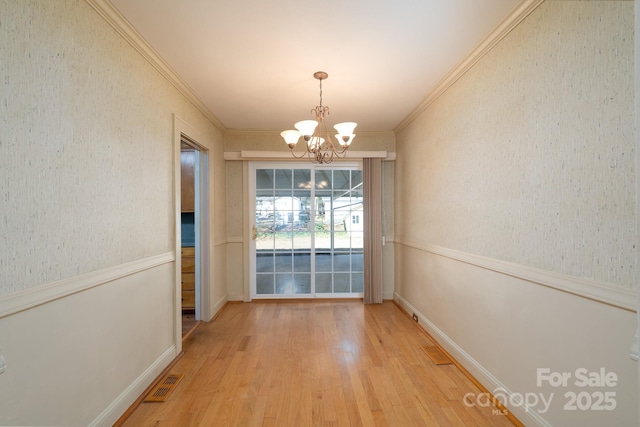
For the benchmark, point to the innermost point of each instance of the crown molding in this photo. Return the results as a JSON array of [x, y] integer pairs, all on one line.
[[114, 18], [517, 15]]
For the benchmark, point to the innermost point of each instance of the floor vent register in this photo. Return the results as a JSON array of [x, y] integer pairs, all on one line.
[[437, 356], [162, 390]]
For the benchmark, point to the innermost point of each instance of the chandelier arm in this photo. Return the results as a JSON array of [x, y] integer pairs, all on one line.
[[330, 157], [342, 150], [293, 153], [322, 158], [339, 154], [315, 157]]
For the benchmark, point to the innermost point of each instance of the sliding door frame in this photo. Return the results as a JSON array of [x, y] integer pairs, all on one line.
[[251, 169]]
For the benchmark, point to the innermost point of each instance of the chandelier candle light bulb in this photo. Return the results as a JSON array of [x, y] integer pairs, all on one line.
[[319, 147], [314, 143], [306, 128], [345, 132]]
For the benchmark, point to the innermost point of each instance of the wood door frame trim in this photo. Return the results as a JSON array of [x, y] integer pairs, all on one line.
[[182, 131]]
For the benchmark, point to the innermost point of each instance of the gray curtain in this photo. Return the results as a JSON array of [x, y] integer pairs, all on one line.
[[372, 187]]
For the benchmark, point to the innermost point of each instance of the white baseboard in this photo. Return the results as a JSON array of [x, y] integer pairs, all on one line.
[[238, 297], [488, 380], [118, 407], [218, 305]]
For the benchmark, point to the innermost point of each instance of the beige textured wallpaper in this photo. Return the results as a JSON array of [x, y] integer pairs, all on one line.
[[235, 191], [86, 140], [529, 157]]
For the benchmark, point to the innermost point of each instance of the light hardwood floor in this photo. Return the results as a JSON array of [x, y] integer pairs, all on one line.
[[314, 364]]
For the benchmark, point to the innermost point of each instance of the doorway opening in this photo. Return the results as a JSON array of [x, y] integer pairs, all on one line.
[[192, 160], [191, 139]]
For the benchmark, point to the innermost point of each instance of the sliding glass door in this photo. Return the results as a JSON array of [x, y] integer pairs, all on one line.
[[307, 231]]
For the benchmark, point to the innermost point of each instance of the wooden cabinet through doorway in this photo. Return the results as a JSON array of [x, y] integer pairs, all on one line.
[[188, 278], [188, 158], [187, 183]]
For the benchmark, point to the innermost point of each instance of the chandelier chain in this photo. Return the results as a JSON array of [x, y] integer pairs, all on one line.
[[320, 110]]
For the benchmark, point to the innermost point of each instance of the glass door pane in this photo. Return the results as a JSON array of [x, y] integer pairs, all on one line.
[[283, 232], [339, 239], [308, 232]]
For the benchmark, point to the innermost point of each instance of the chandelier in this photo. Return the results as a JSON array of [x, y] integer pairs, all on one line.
[[319, 148]]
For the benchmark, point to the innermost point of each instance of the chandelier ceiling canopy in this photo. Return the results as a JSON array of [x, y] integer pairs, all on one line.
[[319, 146]]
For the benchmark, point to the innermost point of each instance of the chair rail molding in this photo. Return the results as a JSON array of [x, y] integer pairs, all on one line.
[[24, 300], [616, 296]]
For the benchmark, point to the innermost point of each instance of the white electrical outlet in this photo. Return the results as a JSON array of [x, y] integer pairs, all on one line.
[[3, 364]]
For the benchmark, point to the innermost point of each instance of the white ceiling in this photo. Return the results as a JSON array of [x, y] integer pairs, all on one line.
[[251, 62]]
